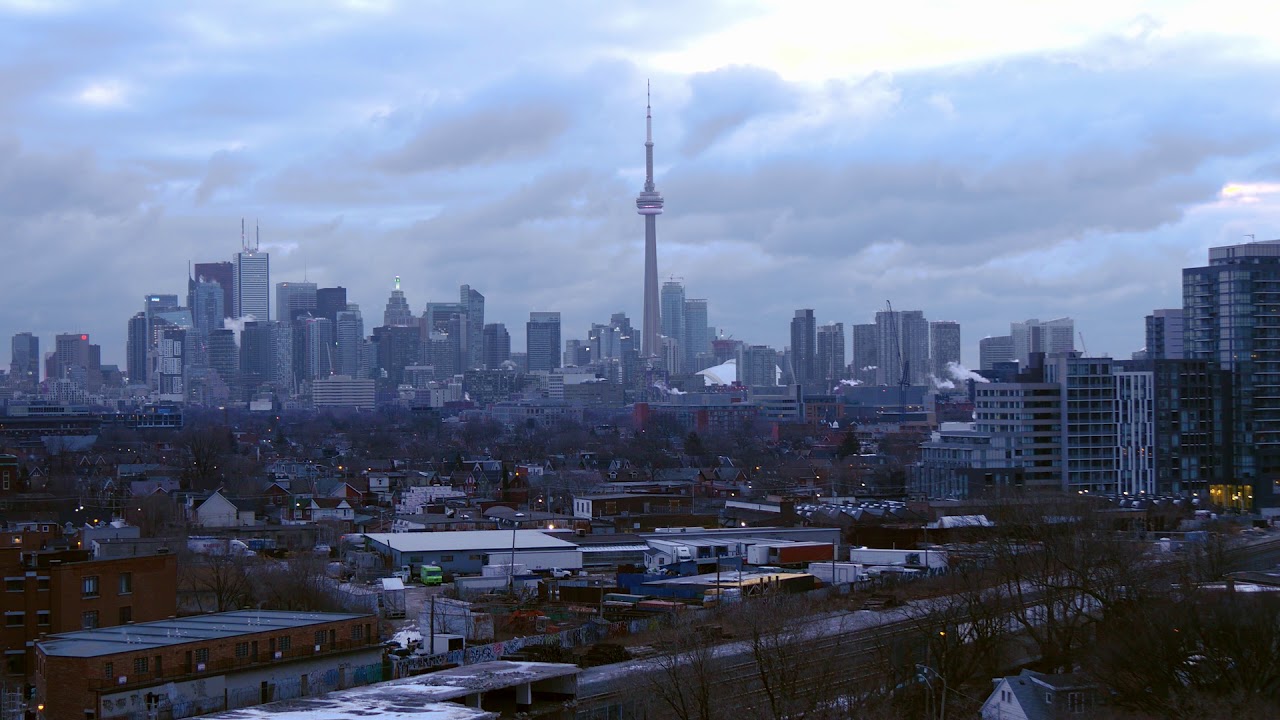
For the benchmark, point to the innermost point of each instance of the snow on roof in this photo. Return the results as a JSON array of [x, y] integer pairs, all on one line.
[[463, 540]]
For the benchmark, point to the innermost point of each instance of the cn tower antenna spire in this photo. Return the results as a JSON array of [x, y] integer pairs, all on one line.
[[649, 205]]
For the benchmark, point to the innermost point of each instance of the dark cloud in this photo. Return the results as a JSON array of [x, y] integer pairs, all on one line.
[[483, 136], [36, 183], [724, 100], [226, 170]]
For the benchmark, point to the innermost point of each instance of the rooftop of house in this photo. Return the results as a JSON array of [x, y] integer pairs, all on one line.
[[178, 631]]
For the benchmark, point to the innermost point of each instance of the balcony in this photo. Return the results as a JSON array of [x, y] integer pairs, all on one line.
[[180, 672]]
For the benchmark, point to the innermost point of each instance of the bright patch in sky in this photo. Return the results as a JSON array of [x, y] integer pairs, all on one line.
[[110, 93]]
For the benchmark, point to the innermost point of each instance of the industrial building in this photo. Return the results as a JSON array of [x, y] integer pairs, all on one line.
[[468, 551], [205, 663]]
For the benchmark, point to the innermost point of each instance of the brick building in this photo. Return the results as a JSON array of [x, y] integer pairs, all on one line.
[[52, 591], [204, 663]]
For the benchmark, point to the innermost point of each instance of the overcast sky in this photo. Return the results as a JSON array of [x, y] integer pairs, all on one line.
[[983, 162]]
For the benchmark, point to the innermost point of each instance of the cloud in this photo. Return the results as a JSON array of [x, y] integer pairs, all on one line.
[[724, 100], [226, 170], [482, 136]]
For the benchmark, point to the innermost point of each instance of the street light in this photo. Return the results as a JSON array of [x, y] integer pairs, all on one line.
[[923, 671], [511, 570]]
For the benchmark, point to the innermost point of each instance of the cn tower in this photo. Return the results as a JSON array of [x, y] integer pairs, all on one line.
[[649, 204]]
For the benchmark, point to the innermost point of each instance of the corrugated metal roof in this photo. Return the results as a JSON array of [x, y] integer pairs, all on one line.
[[177, 631]]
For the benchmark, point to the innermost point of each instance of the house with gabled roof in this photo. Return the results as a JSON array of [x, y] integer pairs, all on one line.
[[217, 510], [1031, 695]]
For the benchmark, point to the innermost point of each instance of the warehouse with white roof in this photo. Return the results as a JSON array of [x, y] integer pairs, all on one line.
[[466, 552]]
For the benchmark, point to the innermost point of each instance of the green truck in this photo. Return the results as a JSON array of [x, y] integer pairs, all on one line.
[[431, 575]]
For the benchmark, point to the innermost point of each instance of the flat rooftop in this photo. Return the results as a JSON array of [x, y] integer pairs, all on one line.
[[424, 697], [463, 540], [178, 631]]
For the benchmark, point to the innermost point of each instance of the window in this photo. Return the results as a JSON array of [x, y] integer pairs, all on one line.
[[141, 665], [446, 558], [202, 655], [13, 584], [126, 615], [357, 632], [126, 583], [89, 586], [16, 663], [42, 618], [1075, 702], [42, 583], [242, 650], [285, 643], [14, 619], [89, 619], [108, 670], [319, 637], [1048, 698]]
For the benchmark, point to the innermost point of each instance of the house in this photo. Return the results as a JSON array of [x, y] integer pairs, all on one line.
[[329, 509], [1031, 695], [217, 511]]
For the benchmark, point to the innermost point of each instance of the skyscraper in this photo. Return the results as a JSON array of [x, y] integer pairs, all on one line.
[[329, 301], [944, 346], [294, 299], [24, 362], [497, 345], [697, 335], [136, 350], [71, 350], [649, 204], [220, 273], [672, 310], [318, 337], [252, 291], [224, 357], [903, 340], [257, 356], [865, 355], [350, 341], [992, 350], [757, 366], [803, 346], [1229, 316], [1049, 337], [830, 365], [473, 341], [1164, 334], [207, 313], [542, 341], [397, 313]]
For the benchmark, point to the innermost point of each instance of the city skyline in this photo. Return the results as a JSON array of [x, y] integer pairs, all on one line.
[[948, 181]]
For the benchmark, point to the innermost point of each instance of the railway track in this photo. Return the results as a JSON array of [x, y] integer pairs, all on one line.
[[852, 642]]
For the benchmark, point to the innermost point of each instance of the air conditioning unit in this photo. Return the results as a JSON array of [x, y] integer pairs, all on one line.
[[279, 655], [199, 667], [317, 648], [122, 680]]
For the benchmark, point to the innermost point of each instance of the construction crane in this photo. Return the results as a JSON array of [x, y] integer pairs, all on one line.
[[900, 361]]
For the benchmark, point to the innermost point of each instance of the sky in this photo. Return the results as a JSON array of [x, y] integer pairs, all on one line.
[[984, 162]]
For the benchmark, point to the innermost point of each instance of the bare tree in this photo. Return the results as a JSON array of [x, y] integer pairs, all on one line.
[[214, 583]]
